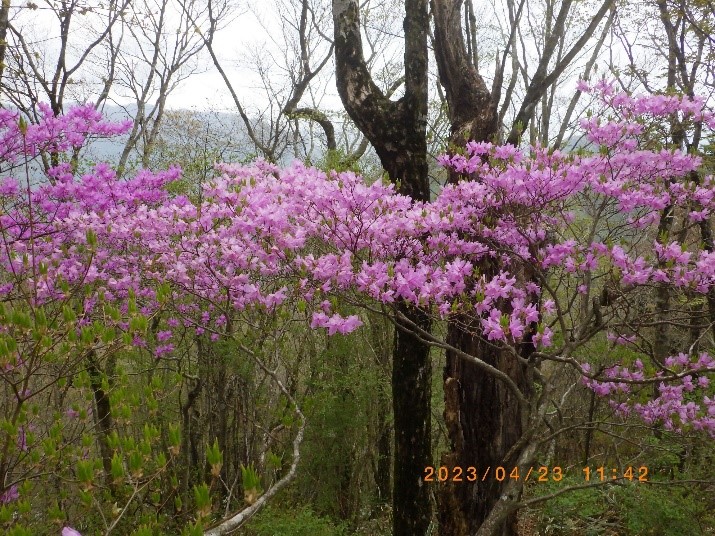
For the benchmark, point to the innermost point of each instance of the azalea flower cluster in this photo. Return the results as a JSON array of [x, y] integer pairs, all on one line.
[[51, 133], [262, 236], [681, 402]]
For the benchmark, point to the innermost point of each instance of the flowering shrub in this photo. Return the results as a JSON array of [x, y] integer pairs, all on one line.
[[89, 261], [59, 339]]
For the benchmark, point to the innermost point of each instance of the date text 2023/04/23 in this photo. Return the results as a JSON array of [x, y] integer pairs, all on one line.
[[538, 474]]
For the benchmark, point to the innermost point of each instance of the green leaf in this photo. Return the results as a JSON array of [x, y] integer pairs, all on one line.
[[108, 334], [193, 530], [40, 317], [117, 467], [5, 514], [19, 531], [85, 472], [250, 478], [144, 530], [85, 497], [55, 513], [68, 314], [21, 319], [202, 499], [87, 335], [174, 438], [91, 237], [138, 323], [135, 463], [213, 454]]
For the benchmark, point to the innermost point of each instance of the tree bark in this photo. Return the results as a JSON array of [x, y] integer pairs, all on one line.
[[4, 13], [383, 444], [398, 132], [483, 418], [383, 471], [102, 415], [472, 111], [411, 399]]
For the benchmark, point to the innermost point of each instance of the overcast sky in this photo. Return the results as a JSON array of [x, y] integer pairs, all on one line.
[[249, 29]]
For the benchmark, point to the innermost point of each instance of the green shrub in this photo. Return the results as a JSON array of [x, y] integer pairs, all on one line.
[[633, 509], [298, 522], [660, 510]]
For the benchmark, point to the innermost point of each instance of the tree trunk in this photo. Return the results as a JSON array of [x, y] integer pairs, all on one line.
[[383, 444], [482, 416], [102, 414], [484, 421], [411, 398], [383, 472], [4, 16], [189, 458], [398, 132]]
